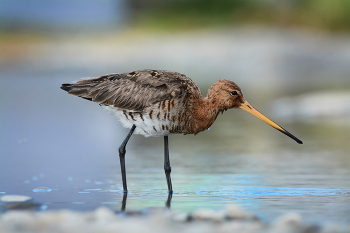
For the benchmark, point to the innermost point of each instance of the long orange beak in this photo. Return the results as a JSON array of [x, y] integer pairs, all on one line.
[[249, 108]]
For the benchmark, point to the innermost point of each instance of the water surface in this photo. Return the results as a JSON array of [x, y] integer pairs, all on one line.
[[50, 139], [63, 151]]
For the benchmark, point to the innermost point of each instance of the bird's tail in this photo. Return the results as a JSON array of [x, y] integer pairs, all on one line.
[[79, 89], [66, 87]]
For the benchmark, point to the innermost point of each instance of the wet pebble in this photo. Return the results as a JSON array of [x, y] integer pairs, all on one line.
[[162, 220], [231, 212], [18, 202], [209, 215], [14, 198], [291, 222], [235, 212]]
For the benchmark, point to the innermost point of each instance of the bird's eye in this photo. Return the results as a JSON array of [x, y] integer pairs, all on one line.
[[234, 93]]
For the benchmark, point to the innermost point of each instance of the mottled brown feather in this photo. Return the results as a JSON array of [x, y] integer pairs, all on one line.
[[136, 90]]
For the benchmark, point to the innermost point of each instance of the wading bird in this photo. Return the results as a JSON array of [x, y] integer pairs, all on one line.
[[159, 103]]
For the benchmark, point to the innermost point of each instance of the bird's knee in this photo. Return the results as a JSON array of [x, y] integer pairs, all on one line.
[[122, 151], [167, 169]]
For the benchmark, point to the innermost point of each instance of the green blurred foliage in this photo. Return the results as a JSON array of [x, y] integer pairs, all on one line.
[[189, 14]]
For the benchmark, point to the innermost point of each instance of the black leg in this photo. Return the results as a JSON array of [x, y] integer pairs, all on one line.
[[168, 201], [122, 152], [167, 167], [124, 201]]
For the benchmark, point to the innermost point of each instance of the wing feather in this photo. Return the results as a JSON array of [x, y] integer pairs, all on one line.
[[136, 90]]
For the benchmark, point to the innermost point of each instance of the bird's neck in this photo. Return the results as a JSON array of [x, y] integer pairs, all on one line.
[[205, 113]]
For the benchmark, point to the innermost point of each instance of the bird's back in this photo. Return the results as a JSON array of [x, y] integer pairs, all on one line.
[[156, 101]]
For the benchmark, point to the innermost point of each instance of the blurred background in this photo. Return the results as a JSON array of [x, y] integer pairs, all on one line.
[[290, 57]]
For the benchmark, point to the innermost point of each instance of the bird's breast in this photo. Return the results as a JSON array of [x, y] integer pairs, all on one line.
[[156, 121]]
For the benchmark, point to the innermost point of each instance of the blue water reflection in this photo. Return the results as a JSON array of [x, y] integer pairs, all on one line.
[[70, 146]]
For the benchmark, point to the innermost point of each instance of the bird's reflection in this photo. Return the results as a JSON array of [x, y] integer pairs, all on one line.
[[167, 203]]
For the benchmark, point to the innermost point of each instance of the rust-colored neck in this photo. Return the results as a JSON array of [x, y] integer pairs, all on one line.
[[205, 112]]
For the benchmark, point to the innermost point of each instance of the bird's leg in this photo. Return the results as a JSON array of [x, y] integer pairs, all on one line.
[[167, 167], [122, 152], [168, 201], [124, 201]]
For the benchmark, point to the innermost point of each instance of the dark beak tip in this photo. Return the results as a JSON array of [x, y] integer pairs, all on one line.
[[300, 142]]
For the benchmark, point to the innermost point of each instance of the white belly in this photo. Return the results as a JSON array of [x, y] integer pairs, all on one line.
[[144, 124]]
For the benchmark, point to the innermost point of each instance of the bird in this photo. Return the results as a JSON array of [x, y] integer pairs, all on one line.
[[157, 103]]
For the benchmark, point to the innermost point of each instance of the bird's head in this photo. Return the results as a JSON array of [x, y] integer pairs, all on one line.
[[226, 94]]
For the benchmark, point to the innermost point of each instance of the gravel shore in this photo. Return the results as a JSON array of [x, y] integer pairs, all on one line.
[[231, 219]]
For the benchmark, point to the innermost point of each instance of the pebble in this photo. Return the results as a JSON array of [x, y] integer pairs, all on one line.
[[104, 220], [14, 198], [290, 222], [17, 202]]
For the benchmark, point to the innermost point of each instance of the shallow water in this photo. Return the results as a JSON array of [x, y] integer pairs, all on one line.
[[63, 151]]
